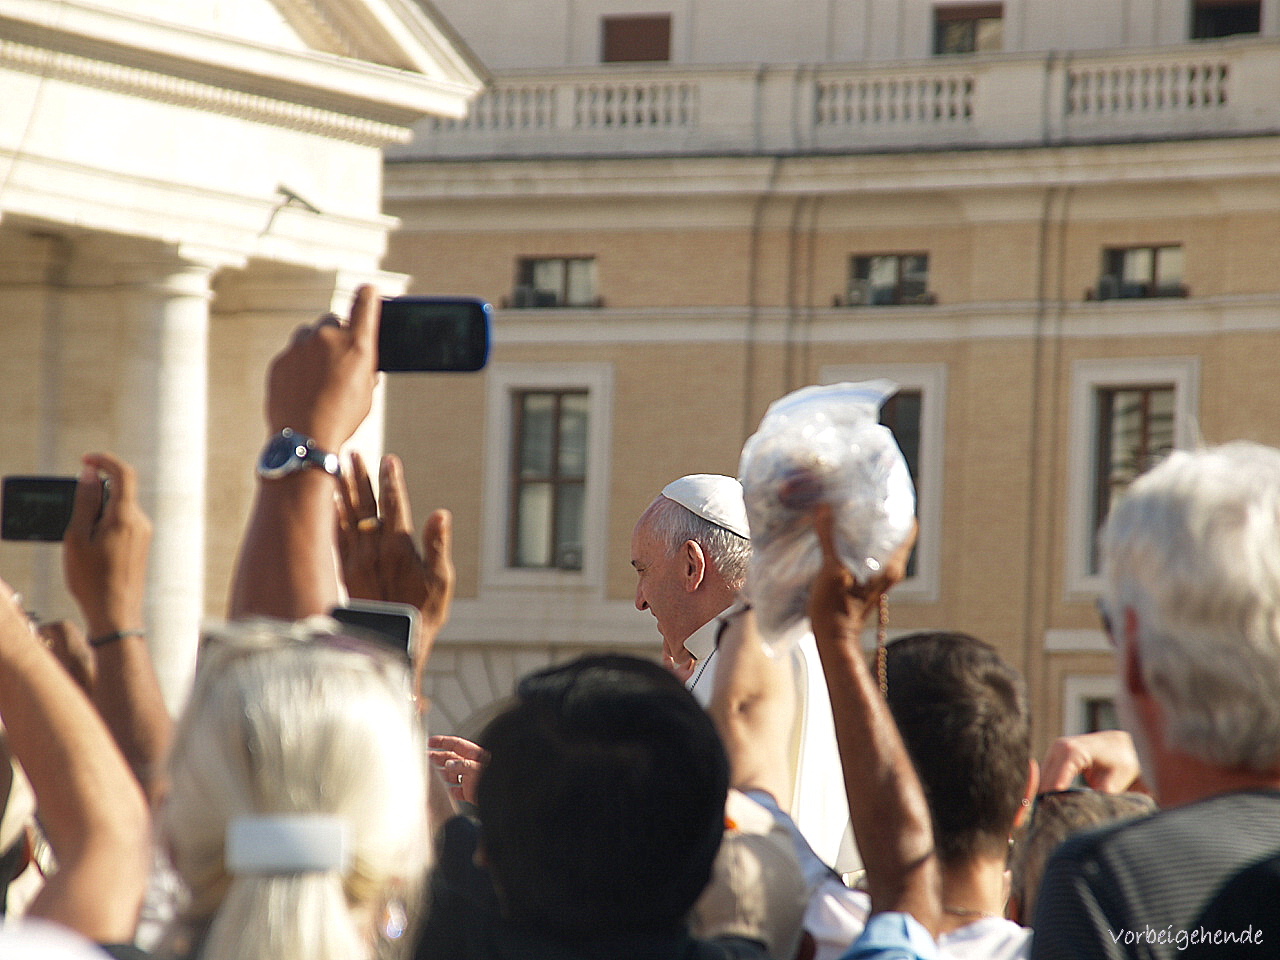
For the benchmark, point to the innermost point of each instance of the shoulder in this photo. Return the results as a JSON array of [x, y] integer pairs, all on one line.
[[993, 938]]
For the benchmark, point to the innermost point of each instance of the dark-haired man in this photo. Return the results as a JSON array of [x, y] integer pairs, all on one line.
[[962, 714]]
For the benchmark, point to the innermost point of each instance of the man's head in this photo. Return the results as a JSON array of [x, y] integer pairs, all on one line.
[[1191, 571], [602, 804], [690, 550], [963, 718]]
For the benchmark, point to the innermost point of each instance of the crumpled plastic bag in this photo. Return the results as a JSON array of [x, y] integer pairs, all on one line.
[[820, 445]]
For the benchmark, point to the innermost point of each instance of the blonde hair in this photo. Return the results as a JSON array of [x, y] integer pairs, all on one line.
[[289, 718]]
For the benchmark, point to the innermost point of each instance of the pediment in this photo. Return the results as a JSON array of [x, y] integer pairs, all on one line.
[[405, 34]]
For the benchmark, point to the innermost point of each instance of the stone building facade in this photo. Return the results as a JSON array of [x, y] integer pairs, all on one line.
[[1057, 226], [180, 185]]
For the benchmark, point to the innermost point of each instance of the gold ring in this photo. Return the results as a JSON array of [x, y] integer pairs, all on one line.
[[365, 524]]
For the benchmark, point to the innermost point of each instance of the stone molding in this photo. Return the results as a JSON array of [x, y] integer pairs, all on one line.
[[166, 88]]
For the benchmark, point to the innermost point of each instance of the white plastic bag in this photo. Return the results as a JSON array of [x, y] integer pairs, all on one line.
[[820, 445]]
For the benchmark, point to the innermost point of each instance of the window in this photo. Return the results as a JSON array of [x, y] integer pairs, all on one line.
[[1089, 703], [1224, 18], [968, 28], [1141, 272], [916, 415], [1135, 431], [549, 477], [887, 279], [901, 414], [1099, 714], [555, 282], [1125, 416], [635, 39], [547, 448]]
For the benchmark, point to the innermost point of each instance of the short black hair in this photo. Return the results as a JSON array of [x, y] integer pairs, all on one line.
[[602, 803], [963, 716]]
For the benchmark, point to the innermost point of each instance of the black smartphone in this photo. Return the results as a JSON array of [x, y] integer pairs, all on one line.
[[36, 508], [430, 334], [395, 624]]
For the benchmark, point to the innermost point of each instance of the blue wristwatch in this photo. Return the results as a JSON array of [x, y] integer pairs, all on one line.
[[289, 451]]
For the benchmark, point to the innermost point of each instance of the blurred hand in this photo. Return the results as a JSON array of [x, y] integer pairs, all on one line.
[[379, 558], [13, 616], [104, 553], [839, 604], [322, 383], [71, 647], [460, 762], [1106, 759]]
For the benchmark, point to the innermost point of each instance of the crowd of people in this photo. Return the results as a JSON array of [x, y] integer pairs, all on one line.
[[618, 808]]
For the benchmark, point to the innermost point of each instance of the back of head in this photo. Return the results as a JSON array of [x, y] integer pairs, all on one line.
[[1193, 549], [963, 718], [602, 804], [1056, 816], [289, 720]]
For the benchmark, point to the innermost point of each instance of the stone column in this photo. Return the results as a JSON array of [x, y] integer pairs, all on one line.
[[162, 431]]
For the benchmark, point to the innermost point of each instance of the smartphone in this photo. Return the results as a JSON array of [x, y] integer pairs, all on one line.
[[36, 508], [395, 624], [430, 334]]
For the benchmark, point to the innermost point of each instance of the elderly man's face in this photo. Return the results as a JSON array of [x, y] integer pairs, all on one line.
[[661, 590]]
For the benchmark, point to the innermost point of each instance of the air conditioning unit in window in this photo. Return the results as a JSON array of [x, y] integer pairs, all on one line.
[[1108, 287]]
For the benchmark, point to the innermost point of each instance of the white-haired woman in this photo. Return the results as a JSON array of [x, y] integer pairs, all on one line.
[[296, 808]]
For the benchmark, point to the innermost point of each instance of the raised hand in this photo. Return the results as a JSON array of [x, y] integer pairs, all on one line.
[[105, 550], [380, 560], [460, 763]]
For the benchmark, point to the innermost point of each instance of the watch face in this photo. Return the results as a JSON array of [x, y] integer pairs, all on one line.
[[280, 451]]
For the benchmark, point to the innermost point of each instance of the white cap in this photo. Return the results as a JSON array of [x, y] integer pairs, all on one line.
[[714, 498]]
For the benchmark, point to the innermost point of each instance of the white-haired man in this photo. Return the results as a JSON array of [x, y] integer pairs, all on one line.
[[690, 550], [1191, 601]]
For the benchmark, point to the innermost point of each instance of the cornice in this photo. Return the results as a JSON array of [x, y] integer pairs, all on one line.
[[342, 97], [178, 91]]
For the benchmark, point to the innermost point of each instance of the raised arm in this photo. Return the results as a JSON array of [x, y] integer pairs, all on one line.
[[754, 706], [886, 802], [105, 564], [91, 807], [321, 388]]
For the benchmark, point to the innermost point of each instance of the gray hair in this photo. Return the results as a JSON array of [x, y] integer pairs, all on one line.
[[674, 524], [294, 718], [1193, 549]]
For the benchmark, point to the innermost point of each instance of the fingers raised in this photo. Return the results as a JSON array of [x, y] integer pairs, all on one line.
[[396, 514]]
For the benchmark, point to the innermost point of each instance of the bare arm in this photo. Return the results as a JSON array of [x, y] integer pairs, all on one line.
[[886, 802], [105, 564], [320, 385], [92, 810], [754, 706]]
